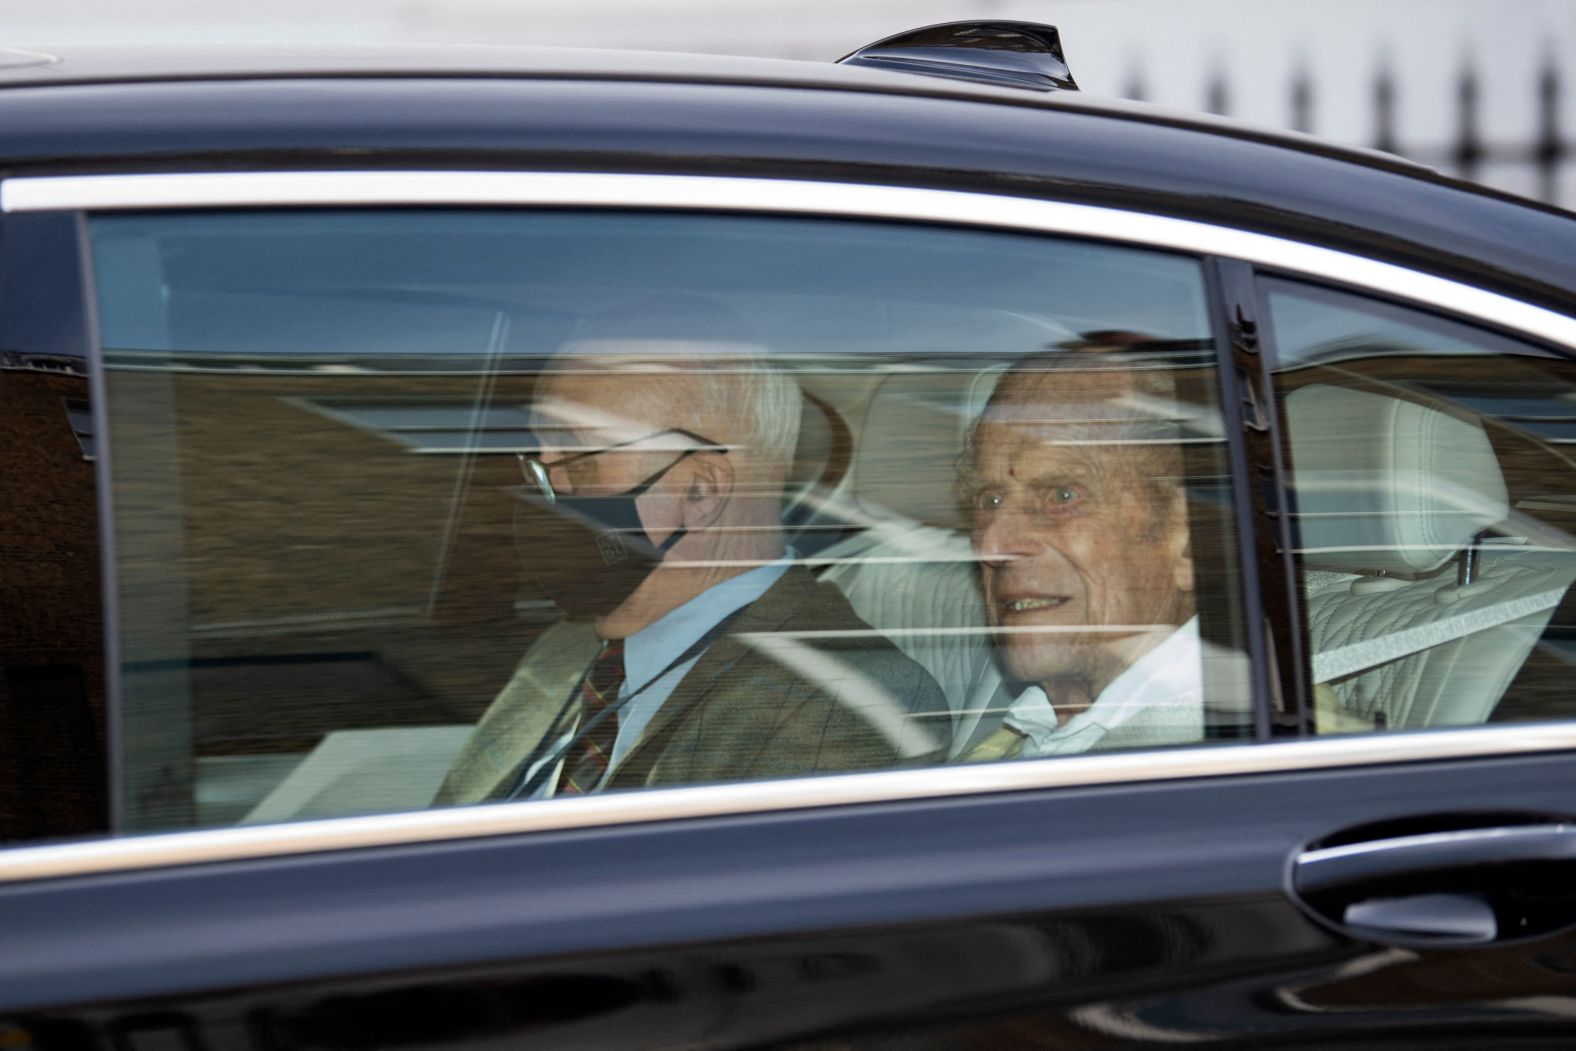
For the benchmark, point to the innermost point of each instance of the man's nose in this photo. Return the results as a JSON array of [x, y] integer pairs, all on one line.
[[1006, 536], [561, 480]]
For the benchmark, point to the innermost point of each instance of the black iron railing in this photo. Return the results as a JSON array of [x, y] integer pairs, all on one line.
[[1547, 156]]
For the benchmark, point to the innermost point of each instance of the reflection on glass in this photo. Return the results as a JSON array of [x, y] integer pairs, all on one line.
[[340, 595], [1432, 484], [51, 633]]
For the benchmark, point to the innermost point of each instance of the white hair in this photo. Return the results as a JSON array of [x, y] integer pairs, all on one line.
[[754, 401], [741, 398]]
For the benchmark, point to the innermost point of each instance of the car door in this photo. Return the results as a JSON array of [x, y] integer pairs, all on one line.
[[308, 407]]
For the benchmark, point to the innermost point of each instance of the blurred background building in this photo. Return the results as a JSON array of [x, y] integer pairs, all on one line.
[[1485, 89]]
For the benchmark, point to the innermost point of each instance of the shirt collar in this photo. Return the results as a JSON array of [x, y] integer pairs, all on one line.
[[649, 651], [1172, 673]]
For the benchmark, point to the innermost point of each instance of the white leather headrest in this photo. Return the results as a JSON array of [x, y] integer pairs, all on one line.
[[914, 430], [1388, 485]]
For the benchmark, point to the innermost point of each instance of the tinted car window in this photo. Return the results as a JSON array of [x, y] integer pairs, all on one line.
[[53, 774], [1433, 487], [451, 507]]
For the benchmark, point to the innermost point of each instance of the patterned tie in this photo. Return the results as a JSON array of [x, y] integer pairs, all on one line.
[[587, 763]]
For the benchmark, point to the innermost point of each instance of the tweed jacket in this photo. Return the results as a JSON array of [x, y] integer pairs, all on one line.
[[798, 685]]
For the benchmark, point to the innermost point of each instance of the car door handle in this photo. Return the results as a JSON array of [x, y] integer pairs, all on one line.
[[1333, 867], [1466, 887]]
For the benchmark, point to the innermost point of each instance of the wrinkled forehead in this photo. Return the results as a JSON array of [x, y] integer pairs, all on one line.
[[1067, 406], [1081, 450]]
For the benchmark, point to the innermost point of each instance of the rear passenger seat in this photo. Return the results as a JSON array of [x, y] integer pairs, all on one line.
[[1385, 487], [1390, 492], [911, 574]]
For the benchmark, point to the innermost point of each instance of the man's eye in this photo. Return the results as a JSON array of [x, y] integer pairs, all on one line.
[[1060, 499], [987, 500]]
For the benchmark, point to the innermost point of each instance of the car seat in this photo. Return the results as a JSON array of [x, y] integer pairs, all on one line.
[[1391, 496], [910, 573]]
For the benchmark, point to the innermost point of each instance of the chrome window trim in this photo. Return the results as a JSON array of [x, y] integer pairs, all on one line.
[[780, 196], [166, 850], [771, 196]]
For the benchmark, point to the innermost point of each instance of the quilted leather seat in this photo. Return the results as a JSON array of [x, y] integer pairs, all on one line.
[[1389, 494]]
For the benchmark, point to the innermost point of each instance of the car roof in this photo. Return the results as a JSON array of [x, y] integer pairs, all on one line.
[[22, 67], [26, 66], [96, 109]]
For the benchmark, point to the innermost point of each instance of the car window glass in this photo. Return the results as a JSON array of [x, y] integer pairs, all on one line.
[[445, 507], [1434, 500], [53, 773]]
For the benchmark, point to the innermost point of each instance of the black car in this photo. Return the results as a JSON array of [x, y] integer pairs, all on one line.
[[1081, 575]]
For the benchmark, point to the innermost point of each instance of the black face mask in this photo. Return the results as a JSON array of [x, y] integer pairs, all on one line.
[[590, 553]]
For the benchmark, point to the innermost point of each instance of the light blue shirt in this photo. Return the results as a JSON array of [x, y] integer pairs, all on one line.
[[651, 649]]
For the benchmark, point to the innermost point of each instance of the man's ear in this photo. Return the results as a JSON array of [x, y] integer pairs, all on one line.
[[706, 490], [1178, 544], [1182, 566]]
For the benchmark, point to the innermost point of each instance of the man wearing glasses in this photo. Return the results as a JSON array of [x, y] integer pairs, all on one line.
[[695, 649]]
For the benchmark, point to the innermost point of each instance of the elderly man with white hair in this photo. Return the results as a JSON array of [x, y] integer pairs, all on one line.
[[696, 650], [1080, 524]]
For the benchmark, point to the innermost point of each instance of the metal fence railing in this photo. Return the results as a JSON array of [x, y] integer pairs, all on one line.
[[1542, 166]]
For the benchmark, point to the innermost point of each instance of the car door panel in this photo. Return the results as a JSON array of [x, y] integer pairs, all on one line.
[[1166, 907]]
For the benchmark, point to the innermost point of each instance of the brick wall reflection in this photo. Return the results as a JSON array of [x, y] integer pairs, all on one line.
[[331, 575], [52, 768]]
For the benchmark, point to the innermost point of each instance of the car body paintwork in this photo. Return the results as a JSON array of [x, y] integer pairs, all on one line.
[[1098, 916]]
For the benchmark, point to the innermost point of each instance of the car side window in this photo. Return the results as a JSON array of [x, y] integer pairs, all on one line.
[[424, 508], [1434, 499], [53, 770]]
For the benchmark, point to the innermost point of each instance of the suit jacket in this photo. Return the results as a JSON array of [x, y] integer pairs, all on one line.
[[799, 684]]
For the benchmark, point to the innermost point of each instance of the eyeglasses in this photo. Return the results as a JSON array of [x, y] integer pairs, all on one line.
[[539, 473]]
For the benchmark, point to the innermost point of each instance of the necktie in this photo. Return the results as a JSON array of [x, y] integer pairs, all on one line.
[[587, 762]]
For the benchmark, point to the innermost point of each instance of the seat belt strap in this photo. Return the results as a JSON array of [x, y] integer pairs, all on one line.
[[1360, 656]]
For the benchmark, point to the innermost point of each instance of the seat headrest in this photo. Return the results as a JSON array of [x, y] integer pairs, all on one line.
[[1386, 485], [906, 457]]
